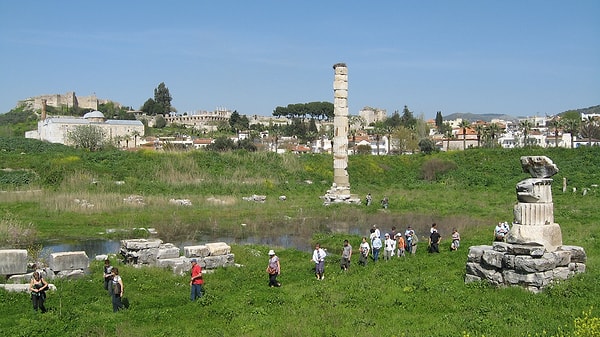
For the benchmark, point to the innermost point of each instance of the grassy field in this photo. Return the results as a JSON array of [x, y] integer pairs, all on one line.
[[421, 295]]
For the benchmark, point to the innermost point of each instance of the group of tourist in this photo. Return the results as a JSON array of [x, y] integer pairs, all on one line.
[[385, 202], [394, 244]]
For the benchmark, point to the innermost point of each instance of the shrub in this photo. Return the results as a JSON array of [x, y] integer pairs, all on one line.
[[431, 169]]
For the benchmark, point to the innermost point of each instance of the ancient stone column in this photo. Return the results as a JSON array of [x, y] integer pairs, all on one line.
[[340, 127], [534, 211]]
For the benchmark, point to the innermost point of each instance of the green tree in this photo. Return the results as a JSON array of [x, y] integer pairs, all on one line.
[[89, 137], [464, 124], [571, 126], [160, 122], [439, 121], [163, 98], [408, 120], [555, 124], [480, 129], [427, 145], [590, 129], [525, 126], [404, 140]]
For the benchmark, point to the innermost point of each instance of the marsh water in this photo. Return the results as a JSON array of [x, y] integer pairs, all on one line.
[[293, 234]]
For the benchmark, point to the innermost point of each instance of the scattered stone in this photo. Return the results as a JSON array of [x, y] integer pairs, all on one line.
[[181, 202]]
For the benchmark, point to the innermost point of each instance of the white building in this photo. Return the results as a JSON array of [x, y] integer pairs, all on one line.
[[56, 129]]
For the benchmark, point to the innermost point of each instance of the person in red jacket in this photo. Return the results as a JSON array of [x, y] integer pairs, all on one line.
[[196, 280]]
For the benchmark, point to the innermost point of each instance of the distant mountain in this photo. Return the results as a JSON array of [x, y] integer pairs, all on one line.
[[488, 117], [479, 117], [591, 110]]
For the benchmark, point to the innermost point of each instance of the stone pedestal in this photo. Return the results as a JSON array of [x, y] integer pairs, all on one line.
[[528, 266], [533, 255]]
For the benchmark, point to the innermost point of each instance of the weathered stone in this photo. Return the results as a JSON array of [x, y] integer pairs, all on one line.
[[218, 248], [577, 267], [196, 251], [139, 244], [538, 166], [528, 264], [147, 256], [68, 261], [577, 253], [167, 251], [476, 252], [478, 270], [71, 274], [532, 250], [549, 235], [179, 266], [492, 258], [13, 261], [561, 273], [213, 262], [508, 261], [500, 246], [471, 278], [563, 258]]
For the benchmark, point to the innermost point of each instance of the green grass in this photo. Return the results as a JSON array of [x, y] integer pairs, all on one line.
[[423, 295]]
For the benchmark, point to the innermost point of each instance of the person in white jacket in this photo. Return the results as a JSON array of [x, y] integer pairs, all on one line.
[[389, 246], [319, 259]]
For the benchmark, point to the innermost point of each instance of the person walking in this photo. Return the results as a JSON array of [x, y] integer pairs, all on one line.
[[273, 269], [117, 290], [196, 280], [38, 287], [107, 276], [346, 255], [319, 259], [364, 252]]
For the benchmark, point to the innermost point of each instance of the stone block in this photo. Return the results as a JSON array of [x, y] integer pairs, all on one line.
[[167, 251], [531, 265], [577, 253], [138, 244], [71, 274], [492, 258], [476, 252], [561, 273], [563, 258], [68, 261], [508, 261], [147, 256], [550, 236], [196, 251], [532, 249], [13, 261], [502, 247], [214, 262], [472, 278], [218, 248], [577, 267], [179, 266]]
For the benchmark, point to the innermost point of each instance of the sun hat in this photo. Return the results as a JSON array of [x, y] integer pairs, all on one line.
[[271, 252]]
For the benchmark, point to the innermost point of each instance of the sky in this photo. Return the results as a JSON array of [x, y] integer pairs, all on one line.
[[521, 58]]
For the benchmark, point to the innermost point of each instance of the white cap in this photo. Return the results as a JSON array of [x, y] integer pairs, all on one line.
[[271, 252]]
